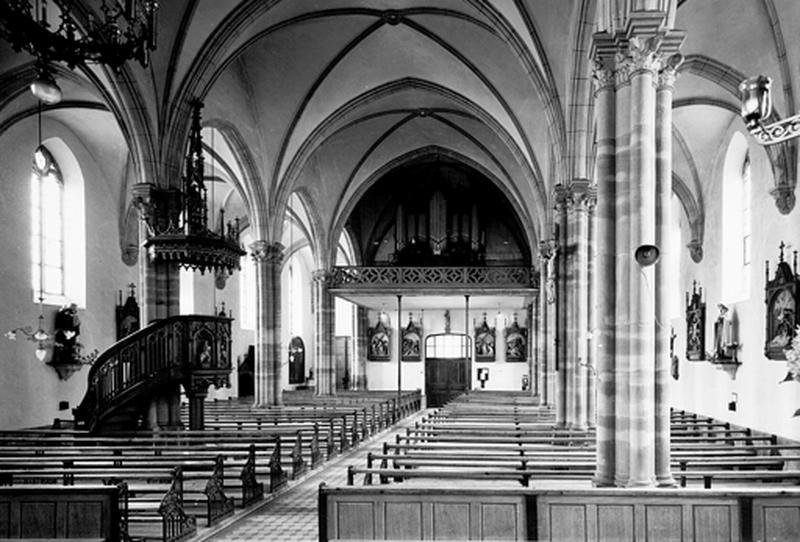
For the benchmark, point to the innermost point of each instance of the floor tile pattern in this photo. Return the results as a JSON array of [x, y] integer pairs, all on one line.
[[292, 515]]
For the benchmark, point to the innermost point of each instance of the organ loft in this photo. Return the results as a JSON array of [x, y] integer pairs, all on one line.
[[358, 270]]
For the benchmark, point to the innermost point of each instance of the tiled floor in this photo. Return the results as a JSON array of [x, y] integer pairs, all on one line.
[[292, 515]]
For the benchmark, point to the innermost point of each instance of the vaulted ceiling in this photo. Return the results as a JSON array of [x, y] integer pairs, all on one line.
[[322, 97]]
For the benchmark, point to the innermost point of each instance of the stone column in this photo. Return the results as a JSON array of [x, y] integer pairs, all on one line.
[[547, 254], [585, 198], [622, 271], [268, 258], [325, 372], [666, 81], [533, 347], [360, 352], [605, 110], [542, 328], [636, 440], [560, 327], [591, 289], [161, 292], [642, 180], [159, 282]]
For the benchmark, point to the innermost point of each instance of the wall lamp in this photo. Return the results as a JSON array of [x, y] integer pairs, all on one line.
[[757, 107]]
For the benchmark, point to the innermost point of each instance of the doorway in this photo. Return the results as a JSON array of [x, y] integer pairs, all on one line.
[[447, 367]]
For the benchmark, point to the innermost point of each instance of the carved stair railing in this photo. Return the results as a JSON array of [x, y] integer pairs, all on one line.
[[194, 350]]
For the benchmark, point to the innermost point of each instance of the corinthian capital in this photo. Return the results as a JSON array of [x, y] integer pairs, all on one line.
[[264, 251], [321, 275], [668, 74], [561, 198], [644, 54], [582, 195], [602, 74]]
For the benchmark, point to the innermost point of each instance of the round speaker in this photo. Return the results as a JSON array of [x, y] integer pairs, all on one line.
[[647, 255]]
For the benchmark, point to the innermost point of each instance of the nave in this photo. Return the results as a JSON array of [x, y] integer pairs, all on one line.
[[356, 467]]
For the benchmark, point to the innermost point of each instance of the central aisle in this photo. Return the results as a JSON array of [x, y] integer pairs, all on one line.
[[292, 514]]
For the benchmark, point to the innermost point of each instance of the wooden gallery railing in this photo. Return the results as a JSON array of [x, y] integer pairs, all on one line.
[[193, 350], [397, 277]]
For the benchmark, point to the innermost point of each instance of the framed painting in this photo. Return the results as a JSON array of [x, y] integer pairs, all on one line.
[[780, 295], [695, 324], [412, 340], [379, 337]]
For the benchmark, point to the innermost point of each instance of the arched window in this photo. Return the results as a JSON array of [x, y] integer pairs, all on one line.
[[746, 214], [47, 226], [736, 222]]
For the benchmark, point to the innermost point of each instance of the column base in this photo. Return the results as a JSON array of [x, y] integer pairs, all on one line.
[[666, 481], [646, 482], [602, 481]]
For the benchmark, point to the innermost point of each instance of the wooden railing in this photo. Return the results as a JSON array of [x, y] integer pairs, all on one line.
[[490, 277], [187, 348]]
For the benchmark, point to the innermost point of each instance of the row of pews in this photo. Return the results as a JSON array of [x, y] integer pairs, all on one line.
[[169, 482], [494, 466], [486, 436]]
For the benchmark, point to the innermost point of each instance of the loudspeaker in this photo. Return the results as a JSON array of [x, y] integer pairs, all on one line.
[[647, 255]]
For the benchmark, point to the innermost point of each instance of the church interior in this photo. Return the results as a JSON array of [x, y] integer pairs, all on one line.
[[579, 209]]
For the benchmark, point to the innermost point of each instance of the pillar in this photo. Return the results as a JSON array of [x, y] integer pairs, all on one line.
[[547, 301], [399, 348], [533, 346], [665, 87], [580, 200], [322, 307], [605, 277], [268, 258], [360, 351], [633, 416], [161, 290], [591, 289], [560, 327], [641, 379]]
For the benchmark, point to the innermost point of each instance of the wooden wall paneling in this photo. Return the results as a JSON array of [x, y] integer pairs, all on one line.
[[776, 519]]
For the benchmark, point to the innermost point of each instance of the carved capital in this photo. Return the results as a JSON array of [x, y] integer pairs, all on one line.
[[644, 54], [264, 251], [547, 250], [321, 276], [695, 247], [784, 198], [602, 74], [668, 74], [623, 66], [582, 195], [561, 198]]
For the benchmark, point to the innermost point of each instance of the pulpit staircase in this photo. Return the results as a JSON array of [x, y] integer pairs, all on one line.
[[125, 380]]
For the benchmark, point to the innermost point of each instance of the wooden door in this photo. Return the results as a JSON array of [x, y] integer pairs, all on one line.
[[444, 379]]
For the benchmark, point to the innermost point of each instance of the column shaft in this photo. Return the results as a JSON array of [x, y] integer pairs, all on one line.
[[622, 271], [663, 268], [582, 311], [561, 300], [642, 347], [605, 108], [267, 379], [323, 334], [360, 352]]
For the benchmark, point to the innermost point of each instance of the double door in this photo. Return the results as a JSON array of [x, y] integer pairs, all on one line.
[[445, 379]]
